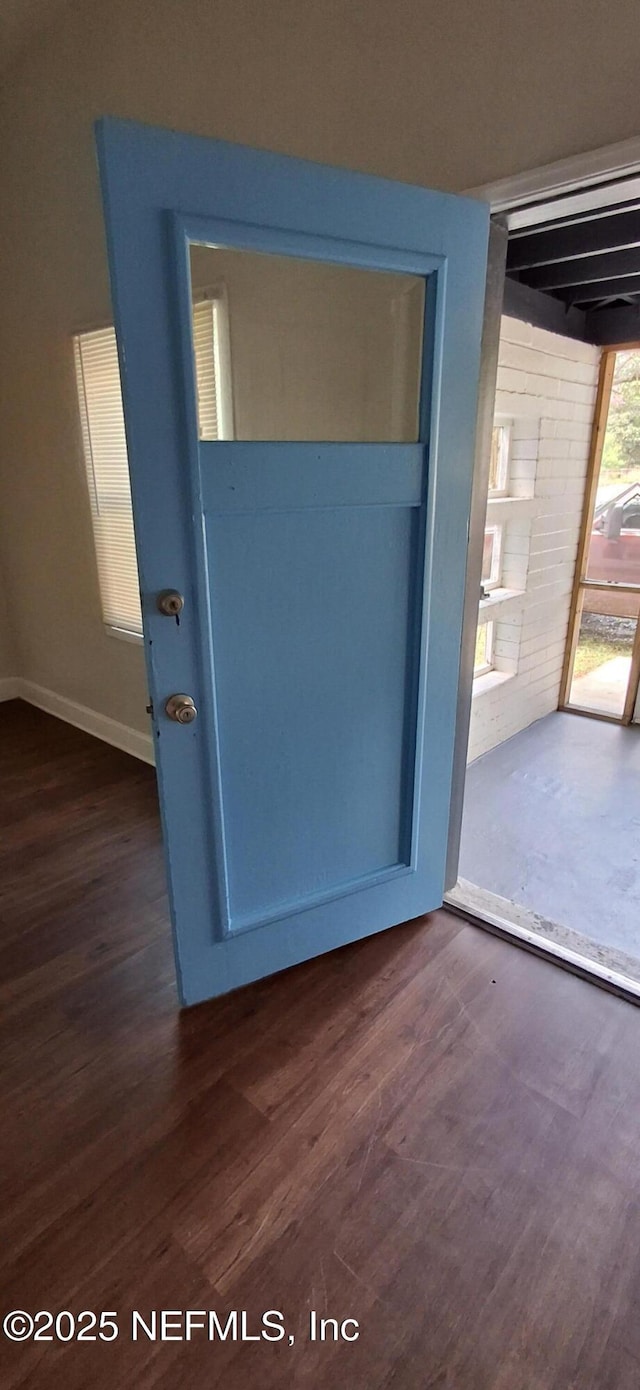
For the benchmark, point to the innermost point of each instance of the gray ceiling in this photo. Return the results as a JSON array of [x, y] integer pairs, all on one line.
[[20, 21]]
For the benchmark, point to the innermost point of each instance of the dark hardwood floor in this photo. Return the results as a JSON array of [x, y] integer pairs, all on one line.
[[431, 1131]]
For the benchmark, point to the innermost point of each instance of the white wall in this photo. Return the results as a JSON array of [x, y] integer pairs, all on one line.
[[547, 385]]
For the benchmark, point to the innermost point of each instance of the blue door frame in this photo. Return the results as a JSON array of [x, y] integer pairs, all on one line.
[[262, 872]]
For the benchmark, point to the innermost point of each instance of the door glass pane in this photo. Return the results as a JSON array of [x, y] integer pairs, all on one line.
[[603, 655], [306, 350], [614, 546]]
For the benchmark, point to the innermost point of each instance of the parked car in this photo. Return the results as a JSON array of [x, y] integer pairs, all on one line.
[[614, 553]]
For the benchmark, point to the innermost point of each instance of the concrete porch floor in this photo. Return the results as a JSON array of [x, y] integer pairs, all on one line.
[[552, 822], [603, 689]]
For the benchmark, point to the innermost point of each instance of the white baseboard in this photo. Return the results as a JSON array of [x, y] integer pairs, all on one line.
[[109, 730]]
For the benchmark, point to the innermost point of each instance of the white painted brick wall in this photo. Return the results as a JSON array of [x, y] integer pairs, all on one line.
[[547, 386]]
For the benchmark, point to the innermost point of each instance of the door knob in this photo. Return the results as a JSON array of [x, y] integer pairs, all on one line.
[[181, 708], [170, 602]]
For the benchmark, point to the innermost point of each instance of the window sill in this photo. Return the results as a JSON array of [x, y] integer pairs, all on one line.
[[489, 681], [499, 599], [505, 509], [123, 635]]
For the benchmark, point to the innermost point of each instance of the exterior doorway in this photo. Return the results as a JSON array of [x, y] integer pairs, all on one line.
[[544, 788], [602, 668]]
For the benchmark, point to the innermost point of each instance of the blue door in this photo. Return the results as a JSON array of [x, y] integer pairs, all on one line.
[[299, 349]]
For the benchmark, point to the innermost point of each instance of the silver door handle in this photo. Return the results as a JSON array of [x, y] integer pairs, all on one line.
[[181, 708]]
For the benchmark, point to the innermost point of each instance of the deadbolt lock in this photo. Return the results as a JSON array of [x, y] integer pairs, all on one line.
[[181, 708], [170, 602]]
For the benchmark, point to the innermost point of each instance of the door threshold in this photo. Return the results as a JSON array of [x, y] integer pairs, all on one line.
[[603, 966]]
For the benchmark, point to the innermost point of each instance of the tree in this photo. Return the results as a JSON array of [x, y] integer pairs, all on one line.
[[621, 452]]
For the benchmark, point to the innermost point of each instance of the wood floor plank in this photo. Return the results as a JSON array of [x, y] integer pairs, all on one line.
[[429, 1131]]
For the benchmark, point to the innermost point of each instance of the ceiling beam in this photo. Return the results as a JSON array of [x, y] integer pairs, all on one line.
[[542, 310], [611, 327], [617, 288], [585, 269], [580, 238], [602, 327], [586, 201]]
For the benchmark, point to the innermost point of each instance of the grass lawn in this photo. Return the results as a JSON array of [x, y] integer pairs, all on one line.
[[593, 651]]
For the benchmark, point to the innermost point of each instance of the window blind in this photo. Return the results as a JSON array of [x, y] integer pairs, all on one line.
[[204, 328], [105, 452]]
